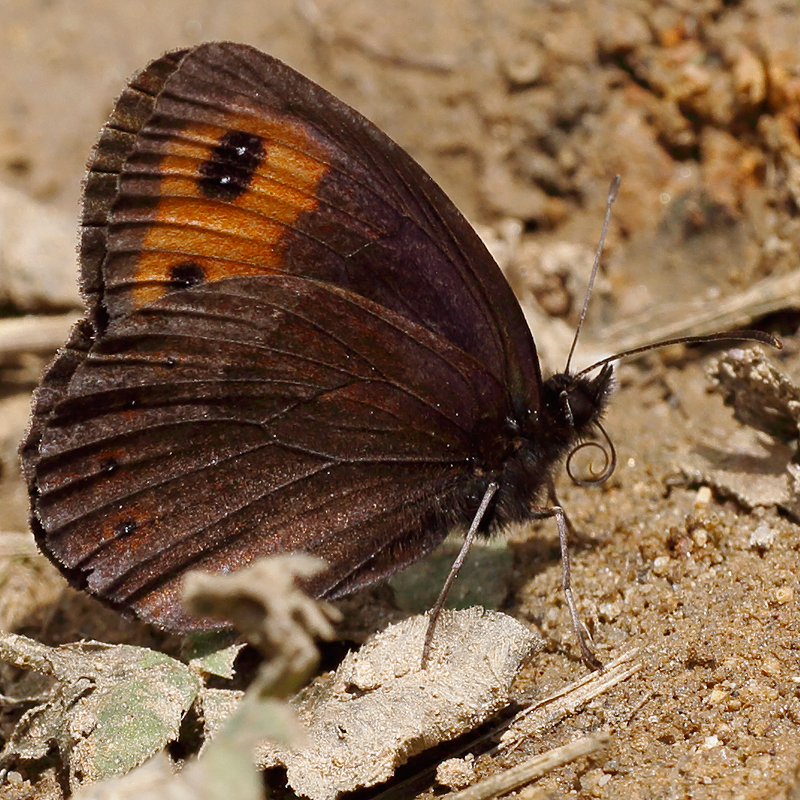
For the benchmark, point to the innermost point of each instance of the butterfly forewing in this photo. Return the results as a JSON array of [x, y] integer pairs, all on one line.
[[328, 197]]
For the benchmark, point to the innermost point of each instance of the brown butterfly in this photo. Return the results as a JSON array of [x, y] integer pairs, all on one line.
[[292, 341]]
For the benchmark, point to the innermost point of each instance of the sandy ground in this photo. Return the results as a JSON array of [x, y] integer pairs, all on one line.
[[523, 112]]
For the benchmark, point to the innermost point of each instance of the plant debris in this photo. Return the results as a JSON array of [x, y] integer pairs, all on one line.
[[378, 709], [111, 708], [754, 464]]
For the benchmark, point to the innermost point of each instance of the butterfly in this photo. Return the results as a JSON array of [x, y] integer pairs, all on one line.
[[293, 341]]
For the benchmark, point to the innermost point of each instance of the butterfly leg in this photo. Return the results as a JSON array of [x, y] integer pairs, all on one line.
[[565, 530], [454, 570], [575, 536], [552, 499]]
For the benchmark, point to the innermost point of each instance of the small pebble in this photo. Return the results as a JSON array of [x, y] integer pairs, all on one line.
[[700, 537], [661, 565], [771, 666], [703, 497], [783, 595], [762, 537], [456, 773]]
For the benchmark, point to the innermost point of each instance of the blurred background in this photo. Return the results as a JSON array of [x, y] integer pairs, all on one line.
[[523, 110]]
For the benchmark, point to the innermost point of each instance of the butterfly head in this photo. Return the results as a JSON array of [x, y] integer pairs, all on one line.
[[578, 400], [575, 405], [581, 401]]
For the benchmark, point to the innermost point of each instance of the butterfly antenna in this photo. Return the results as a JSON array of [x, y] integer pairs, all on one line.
[[732, 336], [612, 196]]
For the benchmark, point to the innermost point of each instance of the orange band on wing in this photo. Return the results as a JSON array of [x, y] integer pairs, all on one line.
[[226, 197]]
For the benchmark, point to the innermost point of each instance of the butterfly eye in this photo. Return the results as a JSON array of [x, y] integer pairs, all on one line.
[[581, 405]]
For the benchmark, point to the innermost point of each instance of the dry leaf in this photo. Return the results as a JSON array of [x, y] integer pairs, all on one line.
[[379, 708]]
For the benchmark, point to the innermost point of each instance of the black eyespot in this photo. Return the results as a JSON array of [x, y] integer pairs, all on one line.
[[227, 174], [109, 465], [126, 527], [186, 275]]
